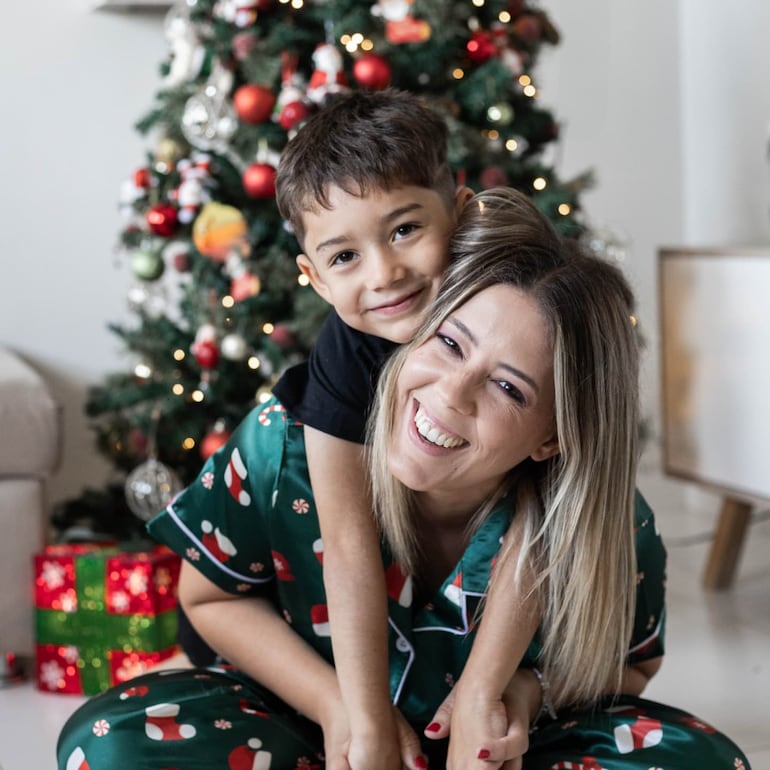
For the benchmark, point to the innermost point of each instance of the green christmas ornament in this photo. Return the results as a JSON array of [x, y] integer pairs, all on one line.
[[147, 265]]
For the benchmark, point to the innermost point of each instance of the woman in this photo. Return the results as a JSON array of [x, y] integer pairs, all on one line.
[[505, 438]]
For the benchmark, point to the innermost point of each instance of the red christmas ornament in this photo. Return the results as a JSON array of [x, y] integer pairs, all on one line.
[[282, 336], [181, 262], [254, 103], [528, 28], [162, 219], [293, 113], [480, 47], [206, 354], [213, 441], [372, 71], [142, 178], [259, 180], [493, 176]]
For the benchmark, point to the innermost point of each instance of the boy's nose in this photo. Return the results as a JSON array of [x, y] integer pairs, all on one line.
[[385, 270]]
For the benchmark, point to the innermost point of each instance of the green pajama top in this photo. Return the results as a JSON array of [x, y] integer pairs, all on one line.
[[249, 524]]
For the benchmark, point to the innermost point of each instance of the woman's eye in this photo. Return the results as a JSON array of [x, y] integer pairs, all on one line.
[[448, 342], [343, 258], [512, 391]]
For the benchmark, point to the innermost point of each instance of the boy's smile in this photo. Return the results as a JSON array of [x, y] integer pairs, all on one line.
[[378, 258]]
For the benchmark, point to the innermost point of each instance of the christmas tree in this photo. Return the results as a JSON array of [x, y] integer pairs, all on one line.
[[220, 308]]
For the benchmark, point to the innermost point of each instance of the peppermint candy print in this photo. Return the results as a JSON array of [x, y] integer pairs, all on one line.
[[101, 728], [300, 506], [207, 479]]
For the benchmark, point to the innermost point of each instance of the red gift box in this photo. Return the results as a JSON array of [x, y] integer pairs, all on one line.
[[103, 614]]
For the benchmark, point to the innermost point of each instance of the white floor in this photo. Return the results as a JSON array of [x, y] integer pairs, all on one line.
[[718, 643]]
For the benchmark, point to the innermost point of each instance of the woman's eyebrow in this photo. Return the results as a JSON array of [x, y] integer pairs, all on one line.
[[512, 369]]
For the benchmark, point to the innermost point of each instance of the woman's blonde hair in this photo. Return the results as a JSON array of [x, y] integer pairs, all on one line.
[[577, 530]]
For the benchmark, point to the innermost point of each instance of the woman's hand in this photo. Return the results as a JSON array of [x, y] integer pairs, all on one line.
[[487, 730]]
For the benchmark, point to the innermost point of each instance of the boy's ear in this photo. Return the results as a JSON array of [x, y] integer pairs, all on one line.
[[308, 270], [462, 195], [546, 450]]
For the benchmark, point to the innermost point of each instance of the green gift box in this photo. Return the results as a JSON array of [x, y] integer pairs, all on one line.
[[103, 614]]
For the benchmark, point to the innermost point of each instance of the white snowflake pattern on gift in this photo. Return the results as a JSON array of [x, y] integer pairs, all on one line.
[[300, 506], [70, 653], [136, 582], [51, 673], [207, 479], [193, 554], [101, 728], [120, 601], [52, 574], [68, 602]]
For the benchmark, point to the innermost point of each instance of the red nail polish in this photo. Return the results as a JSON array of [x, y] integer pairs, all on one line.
[[421, 762], [483, 754], [433, 727]]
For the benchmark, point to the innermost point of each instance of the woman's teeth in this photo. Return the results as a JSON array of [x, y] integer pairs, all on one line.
[[429, 432]]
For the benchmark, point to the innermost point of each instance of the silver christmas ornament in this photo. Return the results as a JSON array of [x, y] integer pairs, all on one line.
[[150, 487]]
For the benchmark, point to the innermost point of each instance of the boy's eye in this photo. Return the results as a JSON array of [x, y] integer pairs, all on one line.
[[403, 230], [343, 258]]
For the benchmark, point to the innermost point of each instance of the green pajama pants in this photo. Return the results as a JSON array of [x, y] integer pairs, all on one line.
[[206, 719]]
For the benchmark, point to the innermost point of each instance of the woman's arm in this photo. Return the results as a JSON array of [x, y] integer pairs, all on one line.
[[249, 633]]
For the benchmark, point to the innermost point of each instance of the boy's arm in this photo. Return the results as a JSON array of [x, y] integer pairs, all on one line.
[[356, 596], [511, 618]]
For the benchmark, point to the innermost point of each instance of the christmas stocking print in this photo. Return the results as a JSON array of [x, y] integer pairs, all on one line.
[[249, 757], [235, 475], [77, 760], [161, 724], [642, 734]]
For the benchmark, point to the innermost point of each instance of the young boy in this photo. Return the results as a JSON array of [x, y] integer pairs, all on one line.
[[367, 189]]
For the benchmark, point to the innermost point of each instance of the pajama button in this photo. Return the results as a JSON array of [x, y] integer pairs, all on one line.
[[402, 645]]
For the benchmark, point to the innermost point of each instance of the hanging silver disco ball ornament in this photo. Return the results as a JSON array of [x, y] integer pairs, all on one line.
[[150, 487]]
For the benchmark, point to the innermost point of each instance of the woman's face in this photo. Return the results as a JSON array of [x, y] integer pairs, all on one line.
[[476, 399]]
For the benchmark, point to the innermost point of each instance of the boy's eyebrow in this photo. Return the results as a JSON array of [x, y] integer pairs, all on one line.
[[389, 217], [512, 369]]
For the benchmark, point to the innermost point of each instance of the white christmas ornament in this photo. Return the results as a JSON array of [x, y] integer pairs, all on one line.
[[234, 347], [187, 53]]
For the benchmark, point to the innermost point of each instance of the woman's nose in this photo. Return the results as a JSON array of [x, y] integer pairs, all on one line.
[[458, 391]]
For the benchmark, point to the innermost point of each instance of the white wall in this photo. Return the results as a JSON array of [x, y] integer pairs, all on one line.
[[613, 82], [726, 122], [677, 146], [75, 82]]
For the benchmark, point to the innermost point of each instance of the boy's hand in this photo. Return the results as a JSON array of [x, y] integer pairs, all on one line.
[[486, 730]]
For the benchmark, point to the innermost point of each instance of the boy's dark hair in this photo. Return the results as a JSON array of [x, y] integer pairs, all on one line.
[[363, 141]]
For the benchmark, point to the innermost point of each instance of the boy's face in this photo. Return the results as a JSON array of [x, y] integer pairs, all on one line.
[[378, 259]]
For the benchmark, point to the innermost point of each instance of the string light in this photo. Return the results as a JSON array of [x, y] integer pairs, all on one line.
[[478, 3], [530, 91], [179, 354], [633, 320], [565, 209], [539, 183], [511, 145], [504, 17], [143, 370], [177, 389], [268, 328], [197, 396], [458, 73], [227, 301], [188, 443], [303, 280], [253, 362]]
